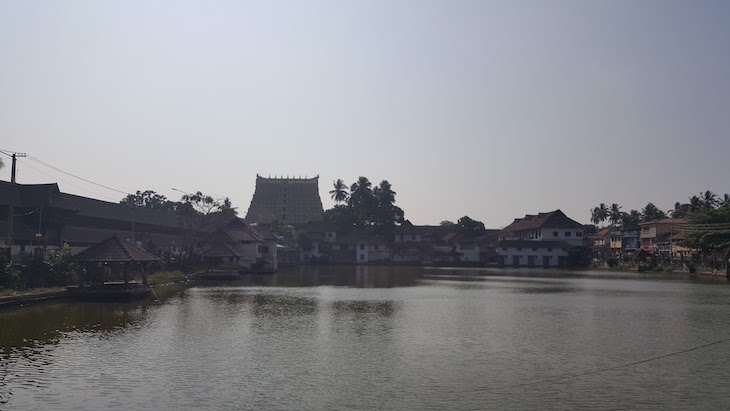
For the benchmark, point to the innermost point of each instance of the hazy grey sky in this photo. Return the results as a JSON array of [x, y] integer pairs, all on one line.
[[481, 108]]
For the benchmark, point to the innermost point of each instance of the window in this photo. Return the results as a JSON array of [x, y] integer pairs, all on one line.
[[362, 246], [578, 233], [504, 248], [283, 216], [362, 256], [519, 249], [534, 249], [565, 249], [567, 233], [555, 233], [284, 209], [376, 247], [329, 235]]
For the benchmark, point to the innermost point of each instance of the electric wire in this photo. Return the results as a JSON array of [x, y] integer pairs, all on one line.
[[64, 181], [75, 176], [598, 371]]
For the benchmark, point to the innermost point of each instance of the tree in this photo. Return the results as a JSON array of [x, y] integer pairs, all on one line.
[[2, 163], [709, 199], [227, 206], [725, 202], [465, 225], [709, 229], [148, 199], [446, 223], [651, 213], [680, 210], [630, 221], [615, 214], [303, 241], [367, 209], [339, 194], [695, 203], [201, 203]]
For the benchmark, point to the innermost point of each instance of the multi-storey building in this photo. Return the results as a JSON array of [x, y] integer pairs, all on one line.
[[543, 239]]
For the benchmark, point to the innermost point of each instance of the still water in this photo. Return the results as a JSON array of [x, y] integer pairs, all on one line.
[[380, 338]]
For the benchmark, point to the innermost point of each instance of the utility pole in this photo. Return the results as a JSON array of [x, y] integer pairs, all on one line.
[[11, 203]]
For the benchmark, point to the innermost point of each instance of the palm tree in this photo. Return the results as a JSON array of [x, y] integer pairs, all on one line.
[[695, 203], [615, 214], [725, 202], [385, 193], [602, 212], [339, 194], [709, 199], [680, 210]]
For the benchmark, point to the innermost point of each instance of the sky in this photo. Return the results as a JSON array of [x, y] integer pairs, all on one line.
[[491, 109]]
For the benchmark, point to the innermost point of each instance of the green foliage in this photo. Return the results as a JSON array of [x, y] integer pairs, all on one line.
[[278, 227], [651, 213], [339, 194], [630, 221], [148, 199], [303, 241], [709, 229], [367, 209], [467, 226], [59, 268], [9, 273]]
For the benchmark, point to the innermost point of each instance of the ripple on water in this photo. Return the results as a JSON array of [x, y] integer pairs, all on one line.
[[434, 344]]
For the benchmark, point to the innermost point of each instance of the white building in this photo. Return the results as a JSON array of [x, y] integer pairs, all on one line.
[[541, 240]]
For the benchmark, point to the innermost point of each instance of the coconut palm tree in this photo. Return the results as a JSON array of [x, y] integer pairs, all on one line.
[[615, 214], [695, 203], [725, 202], [680, 210], [385, 193], [602, 212], [339, 194], [709, 199]]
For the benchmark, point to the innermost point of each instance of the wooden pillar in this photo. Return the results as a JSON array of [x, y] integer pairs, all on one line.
[[144, 275], [126, 273]]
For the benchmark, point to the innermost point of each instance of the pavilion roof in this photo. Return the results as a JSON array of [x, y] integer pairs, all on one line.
[[114, 250]]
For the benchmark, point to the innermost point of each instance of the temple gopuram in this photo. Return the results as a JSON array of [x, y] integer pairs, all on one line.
[[292, 200]]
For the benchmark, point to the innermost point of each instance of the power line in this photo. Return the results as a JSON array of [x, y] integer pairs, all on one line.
[[598, 371], [75, 176], [64, 181]]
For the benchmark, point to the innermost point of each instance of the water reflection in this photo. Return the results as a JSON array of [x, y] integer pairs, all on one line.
[[374, 338]]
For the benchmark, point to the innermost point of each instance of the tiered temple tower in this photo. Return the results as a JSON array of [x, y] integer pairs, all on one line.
[[292, 200]]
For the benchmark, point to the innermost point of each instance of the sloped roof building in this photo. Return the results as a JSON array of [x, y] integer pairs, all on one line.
[[292, 200]]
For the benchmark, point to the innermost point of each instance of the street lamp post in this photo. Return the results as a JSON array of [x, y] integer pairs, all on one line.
[[188, 228]]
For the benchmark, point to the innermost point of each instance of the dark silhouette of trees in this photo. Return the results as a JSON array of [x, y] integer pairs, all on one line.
[[651, 213], [465, 225], [339, 194], [367, 208]]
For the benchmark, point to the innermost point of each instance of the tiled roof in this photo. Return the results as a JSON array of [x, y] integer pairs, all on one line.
[[552, 219], [27, 195], [114, 250], [235, 231], [667, 221], [90, 207]]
